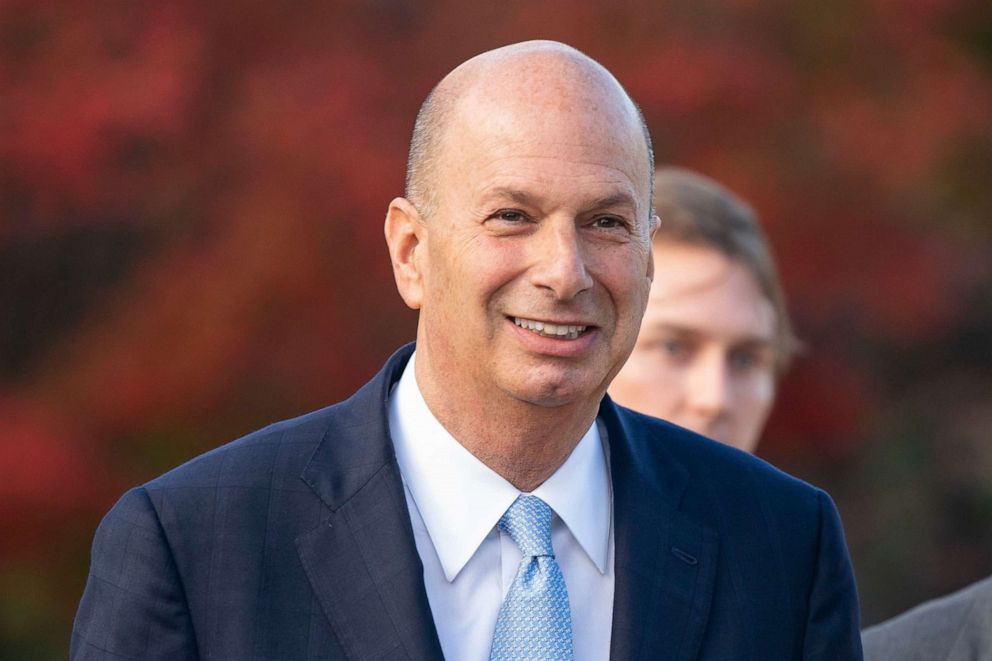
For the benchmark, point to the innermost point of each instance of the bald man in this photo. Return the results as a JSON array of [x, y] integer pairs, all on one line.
[[481, 497]]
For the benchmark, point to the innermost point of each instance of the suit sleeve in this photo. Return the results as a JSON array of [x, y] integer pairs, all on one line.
[[134, 605], [833, 619]]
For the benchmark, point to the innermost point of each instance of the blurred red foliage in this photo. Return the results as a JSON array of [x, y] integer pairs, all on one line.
[[230, 163], [50, 474]]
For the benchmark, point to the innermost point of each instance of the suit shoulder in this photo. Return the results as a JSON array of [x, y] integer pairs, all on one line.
[[732, 490], [713, 461]]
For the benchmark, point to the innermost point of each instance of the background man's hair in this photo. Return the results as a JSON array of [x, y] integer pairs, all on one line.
[[696, 210]]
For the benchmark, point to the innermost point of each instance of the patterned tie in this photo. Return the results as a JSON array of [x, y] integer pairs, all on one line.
[[534, 621]]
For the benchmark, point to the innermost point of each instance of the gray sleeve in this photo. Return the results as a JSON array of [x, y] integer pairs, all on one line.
[[954, 628]]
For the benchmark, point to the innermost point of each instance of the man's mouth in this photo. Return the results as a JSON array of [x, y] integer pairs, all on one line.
[[545, 329]]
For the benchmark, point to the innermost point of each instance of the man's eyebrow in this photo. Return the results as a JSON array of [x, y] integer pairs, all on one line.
[[523, 197], [748, 341], [669, 327], [516, 195], [615, 200], [757, 343]]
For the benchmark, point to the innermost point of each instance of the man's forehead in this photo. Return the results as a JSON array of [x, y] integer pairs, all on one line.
[[548, 98], [589, 174], [596, 174], [513, 120]]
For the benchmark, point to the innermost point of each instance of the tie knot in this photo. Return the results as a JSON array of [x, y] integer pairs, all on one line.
[[528, 523]]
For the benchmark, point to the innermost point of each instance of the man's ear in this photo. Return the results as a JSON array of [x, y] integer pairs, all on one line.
[[655, 224], [406, 237]]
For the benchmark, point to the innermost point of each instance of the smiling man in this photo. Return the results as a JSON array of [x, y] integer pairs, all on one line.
[[481, 498]]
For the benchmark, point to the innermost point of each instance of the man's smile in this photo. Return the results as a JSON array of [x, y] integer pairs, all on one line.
[[547, 329]]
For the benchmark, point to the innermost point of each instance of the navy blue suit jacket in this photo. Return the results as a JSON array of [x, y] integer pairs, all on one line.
[[295, 543]]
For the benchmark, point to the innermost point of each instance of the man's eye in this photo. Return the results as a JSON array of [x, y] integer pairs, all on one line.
[[608, 222], [743, 361], [510, 216], [673, 350]]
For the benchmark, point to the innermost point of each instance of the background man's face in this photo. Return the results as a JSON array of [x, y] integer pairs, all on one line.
[[538, 256], [704, 357]]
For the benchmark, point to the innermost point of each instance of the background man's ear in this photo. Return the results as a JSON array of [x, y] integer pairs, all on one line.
[[405, 232]]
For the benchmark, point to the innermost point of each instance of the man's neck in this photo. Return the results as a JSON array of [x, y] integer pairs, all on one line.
[[523, 442]]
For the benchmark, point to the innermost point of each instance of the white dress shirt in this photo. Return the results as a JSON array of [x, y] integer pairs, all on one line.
[[455, 502]]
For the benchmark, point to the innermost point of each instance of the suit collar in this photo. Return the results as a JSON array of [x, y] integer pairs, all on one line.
[[357, 444], [665, 560], [645, 464], [361, 559]]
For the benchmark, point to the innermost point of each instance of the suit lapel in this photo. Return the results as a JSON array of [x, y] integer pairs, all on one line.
[[665, 561], [361, 560]]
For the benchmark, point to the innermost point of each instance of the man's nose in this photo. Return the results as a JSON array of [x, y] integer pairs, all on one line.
[[708, 386], [561, 261]]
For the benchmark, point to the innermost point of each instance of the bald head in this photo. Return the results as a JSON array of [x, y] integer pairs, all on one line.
[[537, 80]]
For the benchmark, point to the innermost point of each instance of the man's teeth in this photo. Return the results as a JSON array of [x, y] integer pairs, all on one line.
[[550, 330]]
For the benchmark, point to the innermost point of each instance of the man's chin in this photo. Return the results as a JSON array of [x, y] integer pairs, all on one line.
[[549, 391]]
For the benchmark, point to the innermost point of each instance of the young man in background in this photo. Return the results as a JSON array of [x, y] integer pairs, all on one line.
[[716, 334]]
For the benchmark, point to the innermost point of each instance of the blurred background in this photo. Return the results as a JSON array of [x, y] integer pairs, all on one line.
[[191, 204]]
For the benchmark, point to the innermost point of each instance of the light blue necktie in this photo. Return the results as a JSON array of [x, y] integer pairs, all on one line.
[[534, 621]]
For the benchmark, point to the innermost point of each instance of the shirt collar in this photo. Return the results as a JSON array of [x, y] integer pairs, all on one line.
[[461, 499]]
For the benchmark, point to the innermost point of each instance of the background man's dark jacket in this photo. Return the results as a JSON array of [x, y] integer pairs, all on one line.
[[295, 543]]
